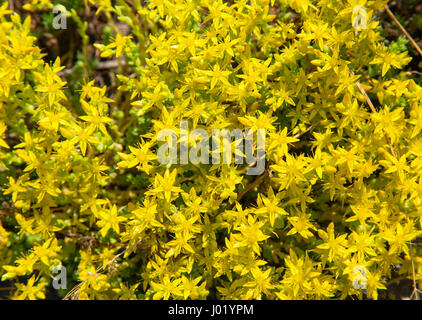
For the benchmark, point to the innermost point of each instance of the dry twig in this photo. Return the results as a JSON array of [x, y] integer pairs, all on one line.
[[403, 29], [74, 292]]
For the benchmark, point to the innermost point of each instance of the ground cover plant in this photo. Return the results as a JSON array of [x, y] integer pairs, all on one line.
[[86, 87]]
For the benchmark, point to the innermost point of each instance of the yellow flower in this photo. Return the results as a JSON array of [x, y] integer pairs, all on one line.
[[109, 219]]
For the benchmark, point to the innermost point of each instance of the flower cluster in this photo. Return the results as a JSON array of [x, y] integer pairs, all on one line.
[[82, 187]]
